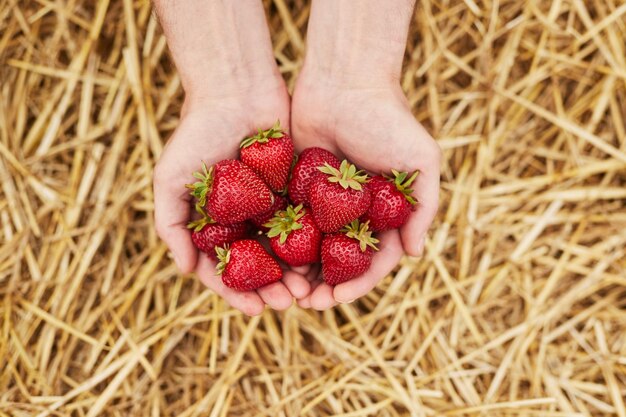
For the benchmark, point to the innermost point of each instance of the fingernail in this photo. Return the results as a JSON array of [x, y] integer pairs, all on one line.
[[176, 260], [420, 246], [347, 302]]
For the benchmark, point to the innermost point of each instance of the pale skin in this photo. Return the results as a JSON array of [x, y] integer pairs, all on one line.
[[347, 99]]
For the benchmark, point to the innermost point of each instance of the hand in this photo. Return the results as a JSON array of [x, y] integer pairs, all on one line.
[[372, 127], [223, 53], [210, 131]]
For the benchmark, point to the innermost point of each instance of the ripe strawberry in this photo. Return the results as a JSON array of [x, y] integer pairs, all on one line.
[[246, 266], [391, 201], [347, 254], [306, 170], [339, 197], [270, 154], [231, 192], [280, 203], [207, 234], [294, 236]]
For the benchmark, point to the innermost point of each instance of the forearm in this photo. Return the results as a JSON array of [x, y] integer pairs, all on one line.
[[358, 41], [220, 47]]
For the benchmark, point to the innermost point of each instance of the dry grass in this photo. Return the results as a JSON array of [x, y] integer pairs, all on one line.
[[518, 308]]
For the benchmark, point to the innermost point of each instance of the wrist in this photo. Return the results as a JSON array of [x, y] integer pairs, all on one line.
[[352, 60], [358, 45], [345, 76], [221, 48], [255, 106], [239, 85]]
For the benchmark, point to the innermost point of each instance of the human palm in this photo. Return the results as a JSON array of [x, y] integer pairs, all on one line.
[[373, 128], [209, 132]]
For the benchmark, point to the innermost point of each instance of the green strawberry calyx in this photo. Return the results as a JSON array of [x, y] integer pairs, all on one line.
[[360, 231], [223, 255], [201, 188], [199, 224], [347, 175], [263, 136], [403, 183], [284, 222]]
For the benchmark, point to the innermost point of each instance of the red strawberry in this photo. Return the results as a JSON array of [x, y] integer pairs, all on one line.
[[294, 236], [339, 197], [306, 170], [280, 203], [246, 265], [270, 154], [207, 234], [347, 254], [231, 192], [391, 201]]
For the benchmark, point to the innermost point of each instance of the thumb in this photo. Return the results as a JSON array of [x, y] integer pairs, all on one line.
[[171, 214]]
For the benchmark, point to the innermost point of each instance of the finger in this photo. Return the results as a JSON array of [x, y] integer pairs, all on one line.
[[171, 214], [305, 302], [426, 193], [297, 284], [302, 270], [383, 263], [322, 297], [248, 302], [276, 295]]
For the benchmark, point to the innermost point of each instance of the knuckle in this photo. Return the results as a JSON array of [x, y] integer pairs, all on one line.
[[249, 304], [250, 310], [160, 227], [284, 304]]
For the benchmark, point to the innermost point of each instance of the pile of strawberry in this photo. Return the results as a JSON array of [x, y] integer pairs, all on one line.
[[319, 209]]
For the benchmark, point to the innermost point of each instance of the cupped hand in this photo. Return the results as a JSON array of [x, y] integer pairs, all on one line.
[[373, 128], [210, 130]]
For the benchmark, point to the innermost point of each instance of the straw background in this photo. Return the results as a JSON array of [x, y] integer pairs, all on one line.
[[518, 307]]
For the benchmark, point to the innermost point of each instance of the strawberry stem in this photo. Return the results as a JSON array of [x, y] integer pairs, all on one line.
[[199, 224], [200, 189], [263, 136], [360, 231], [403, 183], [346, 176], [223, 255], [284, 222]]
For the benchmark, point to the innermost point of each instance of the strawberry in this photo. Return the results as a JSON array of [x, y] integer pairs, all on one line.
[[270, 154], [294, 236], [280, 203], [391, 201], [207, 234], [338, 197], [246, 265], [306, 170], [347, 254], [231, 192]]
